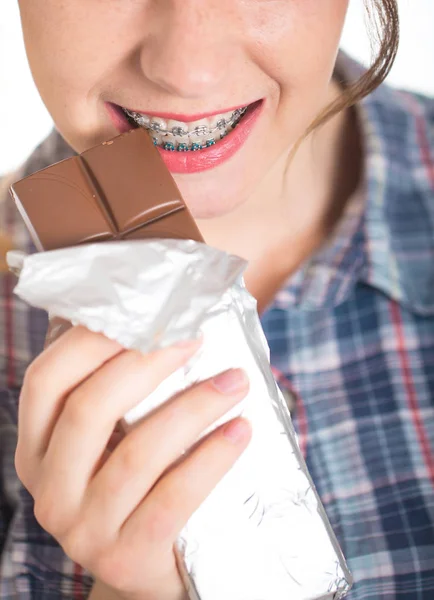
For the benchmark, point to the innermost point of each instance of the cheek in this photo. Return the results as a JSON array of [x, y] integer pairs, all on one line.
[[72, 46], [296, 41], [59, 52]]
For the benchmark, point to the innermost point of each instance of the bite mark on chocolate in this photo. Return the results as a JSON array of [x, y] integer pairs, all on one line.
[[119, 190]]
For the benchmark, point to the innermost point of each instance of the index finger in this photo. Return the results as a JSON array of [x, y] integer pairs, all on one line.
[[53, 375]]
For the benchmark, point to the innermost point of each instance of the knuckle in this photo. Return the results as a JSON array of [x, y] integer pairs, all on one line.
[[135, 361], [35, 378], [20, 465], [46, 514], [115, 571], [78, 545], [26, 472], [73, 547], [78, 409], [161, 522], [129, 462], [176, 412]]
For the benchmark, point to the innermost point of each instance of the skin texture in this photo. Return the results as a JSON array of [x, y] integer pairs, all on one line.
[[144, 54], [121, 502], [188, 57]]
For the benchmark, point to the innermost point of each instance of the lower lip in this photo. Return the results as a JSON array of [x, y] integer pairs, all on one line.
[[201, 160]]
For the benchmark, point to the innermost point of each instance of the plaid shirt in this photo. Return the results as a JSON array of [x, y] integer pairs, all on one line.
[[351, 336]]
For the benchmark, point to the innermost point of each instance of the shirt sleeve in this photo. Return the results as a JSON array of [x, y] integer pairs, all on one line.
[[7, 436], [32, 564]]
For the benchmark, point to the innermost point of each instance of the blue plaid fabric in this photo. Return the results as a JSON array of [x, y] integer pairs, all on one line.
[[351, 336]]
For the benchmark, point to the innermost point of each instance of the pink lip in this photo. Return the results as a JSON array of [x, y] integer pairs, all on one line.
[[201, 160], [118, 118]]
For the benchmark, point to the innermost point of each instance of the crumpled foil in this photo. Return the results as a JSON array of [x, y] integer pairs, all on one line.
[[262, 534]]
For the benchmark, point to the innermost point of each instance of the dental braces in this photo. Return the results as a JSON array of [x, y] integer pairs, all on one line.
[[201, 130], [183, 147]]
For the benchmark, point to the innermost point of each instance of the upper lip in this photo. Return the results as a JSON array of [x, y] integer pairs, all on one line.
[[186, 118]]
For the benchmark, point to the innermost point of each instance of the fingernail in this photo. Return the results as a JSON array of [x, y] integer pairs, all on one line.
[[237, 431], [230, 381]]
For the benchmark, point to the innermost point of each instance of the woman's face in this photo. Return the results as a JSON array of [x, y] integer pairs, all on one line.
[[186, 64]]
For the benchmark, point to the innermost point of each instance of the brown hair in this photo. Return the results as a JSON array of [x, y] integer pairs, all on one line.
[[383, 25]]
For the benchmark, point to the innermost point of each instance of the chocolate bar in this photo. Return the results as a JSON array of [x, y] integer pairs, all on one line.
[[119, 190]]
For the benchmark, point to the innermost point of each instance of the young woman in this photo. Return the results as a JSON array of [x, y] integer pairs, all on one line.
[[329, 196]]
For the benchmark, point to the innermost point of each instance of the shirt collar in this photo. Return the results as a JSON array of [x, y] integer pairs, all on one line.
[[386, 236]]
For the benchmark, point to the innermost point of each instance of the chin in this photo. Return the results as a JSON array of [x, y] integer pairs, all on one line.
[[210, 199]]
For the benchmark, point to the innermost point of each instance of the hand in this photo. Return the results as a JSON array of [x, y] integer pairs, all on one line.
[[118, 511], [103, 592]]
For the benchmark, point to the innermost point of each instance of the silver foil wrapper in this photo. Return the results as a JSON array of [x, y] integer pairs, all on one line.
[[262, 534]]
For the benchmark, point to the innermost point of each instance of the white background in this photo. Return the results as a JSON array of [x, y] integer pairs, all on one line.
[[25, 121]]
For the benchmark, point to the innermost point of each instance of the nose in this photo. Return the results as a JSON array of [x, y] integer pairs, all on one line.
[[188, 49]]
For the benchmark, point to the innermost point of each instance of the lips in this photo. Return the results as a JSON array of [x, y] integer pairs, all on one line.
[[203, 159]]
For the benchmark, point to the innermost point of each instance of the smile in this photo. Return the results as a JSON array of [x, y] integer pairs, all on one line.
[[187, 137], [190, 145]]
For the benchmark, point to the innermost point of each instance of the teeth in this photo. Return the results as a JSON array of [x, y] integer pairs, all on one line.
[[143, 120], [157, 138], [215, 136], [177, 128], [175, 135], [221, 120], [221, 124], [199, 129], [158, 125]]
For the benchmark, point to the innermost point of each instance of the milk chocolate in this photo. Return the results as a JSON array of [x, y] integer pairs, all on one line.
[[119, 190]]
